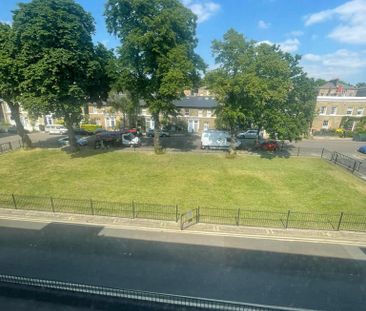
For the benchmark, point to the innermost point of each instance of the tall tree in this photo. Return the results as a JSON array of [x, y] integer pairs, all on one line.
[[57, 58], [10, 78], [156, 55], [258, 84], [124, 103]]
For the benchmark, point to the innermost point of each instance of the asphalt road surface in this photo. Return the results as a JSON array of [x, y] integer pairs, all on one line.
[[192, 142], [284, 273]]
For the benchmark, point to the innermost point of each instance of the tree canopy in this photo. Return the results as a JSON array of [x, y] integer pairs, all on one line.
[[61, 69], [10, 78], [259, 85], [157, 58]]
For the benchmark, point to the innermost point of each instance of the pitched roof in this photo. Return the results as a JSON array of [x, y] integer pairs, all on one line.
[[207, 102], [332, 84]]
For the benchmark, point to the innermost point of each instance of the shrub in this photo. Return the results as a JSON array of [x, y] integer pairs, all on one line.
[[90, 127]]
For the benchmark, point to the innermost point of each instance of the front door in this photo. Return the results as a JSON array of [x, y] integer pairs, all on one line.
[[190, 126]]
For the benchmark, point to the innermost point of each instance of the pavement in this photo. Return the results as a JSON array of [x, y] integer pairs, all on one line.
[[295, 268]]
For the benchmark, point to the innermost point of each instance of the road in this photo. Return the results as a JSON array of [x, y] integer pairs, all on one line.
[[192, 143], [285, 273]]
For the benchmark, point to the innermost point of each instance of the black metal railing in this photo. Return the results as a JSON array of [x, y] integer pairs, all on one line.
[[283, 220], [91, 207], [10, 146], [188, 217], [353, 165], [176, 302]]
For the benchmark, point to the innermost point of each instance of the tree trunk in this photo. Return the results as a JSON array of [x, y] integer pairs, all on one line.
[[71, 133], [157, 145], [232, 148], [15, 113]]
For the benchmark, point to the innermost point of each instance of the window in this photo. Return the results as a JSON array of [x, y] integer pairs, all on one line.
[[143, 112], [93, 109], [325, 124], [333, 111], [209, 113], [200, 113], [349, 111], [186, 112], [359, 111], [323, 110]]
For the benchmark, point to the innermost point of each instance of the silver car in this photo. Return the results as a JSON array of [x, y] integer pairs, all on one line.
[[249, 134]]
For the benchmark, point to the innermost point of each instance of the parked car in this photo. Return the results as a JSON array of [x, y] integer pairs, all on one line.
[[216, 140], [81, 141], [129, 139], [249, 134], [362, 149], [163, 133], [56, 129], [269, 145]]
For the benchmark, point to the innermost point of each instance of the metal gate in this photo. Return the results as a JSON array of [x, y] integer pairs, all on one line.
[[189, 218]]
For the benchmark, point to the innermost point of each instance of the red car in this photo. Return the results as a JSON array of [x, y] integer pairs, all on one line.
[[269, 145]]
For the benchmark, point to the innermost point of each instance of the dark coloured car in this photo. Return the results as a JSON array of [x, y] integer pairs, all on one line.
[[163, 133]]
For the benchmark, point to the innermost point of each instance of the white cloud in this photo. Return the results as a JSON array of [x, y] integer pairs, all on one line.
[[263, 25], [289, 45], [352, 18], [311, 57], [202, 8], [295, 33], [343, 63], [266, 42]]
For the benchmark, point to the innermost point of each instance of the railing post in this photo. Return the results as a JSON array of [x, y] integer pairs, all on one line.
[[354, 166], [238, 218], [181, 222], [91, 206], [176, 213], [10, 146], [298, 151], [52, 205], [133, 209], [14, 201], [340, 221], [335, 158], [288, 217], [322, 153], [198, 214]]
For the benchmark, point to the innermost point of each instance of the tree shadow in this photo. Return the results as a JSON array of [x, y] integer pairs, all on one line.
[[184, 143], [285, 150]]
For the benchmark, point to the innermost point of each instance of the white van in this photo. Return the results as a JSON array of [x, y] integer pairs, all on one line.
[[213, 139], [55, 129]]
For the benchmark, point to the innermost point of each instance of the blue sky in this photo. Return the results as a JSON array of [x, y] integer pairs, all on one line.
[[329, 34]]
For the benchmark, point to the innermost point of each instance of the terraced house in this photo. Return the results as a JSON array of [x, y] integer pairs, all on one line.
[[337, 103], [196, 114]]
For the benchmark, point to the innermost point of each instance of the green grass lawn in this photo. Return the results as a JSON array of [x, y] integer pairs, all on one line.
[[190, 180]]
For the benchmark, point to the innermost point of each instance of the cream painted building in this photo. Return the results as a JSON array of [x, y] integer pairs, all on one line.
[[330, 110]]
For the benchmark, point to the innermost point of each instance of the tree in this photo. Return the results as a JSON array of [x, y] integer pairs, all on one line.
[[361, 84], [124, 103], [156, 55], [259, 85], [57, 59], [10, 78]]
